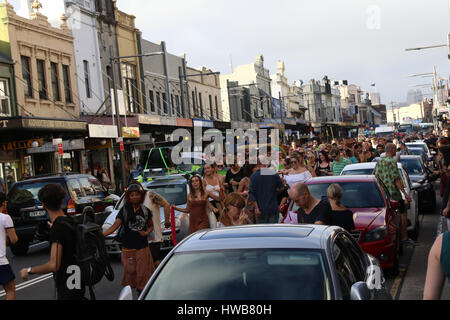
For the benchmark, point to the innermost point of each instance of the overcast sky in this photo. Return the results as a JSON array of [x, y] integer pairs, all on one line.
[[361, 41]]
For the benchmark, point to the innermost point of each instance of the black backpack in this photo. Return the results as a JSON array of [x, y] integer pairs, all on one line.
[[90, 251]]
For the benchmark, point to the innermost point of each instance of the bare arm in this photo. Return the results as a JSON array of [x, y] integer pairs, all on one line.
[[212, 196], [12, 236], [435, 277], [113, 228], [52, 265]]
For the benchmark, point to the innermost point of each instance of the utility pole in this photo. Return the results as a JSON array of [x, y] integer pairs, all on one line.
[[282, 115], [183, 97], [119, 124], [166, 73]]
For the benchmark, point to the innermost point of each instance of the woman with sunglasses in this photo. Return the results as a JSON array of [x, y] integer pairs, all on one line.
[[197, 205], [311, 160], [299, 171]]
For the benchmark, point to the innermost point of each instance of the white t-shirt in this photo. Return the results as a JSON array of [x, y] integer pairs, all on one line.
[[295, 178], [5, 223]]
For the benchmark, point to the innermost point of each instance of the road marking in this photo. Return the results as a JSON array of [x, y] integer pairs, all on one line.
[[397, 282], [29, 283]]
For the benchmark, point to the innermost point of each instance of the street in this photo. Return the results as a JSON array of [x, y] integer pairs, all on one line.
[[408, 285]]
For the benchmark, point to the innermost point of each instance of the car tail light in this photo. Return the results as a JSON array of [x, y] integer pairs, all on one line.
[[71, 208]]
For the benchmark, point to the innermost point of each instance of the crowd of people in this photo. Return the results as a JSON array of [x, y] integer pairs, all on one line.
[[242, 194]]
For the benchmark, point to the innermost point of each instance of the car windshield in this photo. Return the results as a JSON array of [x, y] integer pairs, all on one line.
[[418, 146], [174, 194], [357, 172], [256, 274], [412, 166], [190, 164], [416, 152], [356, 194], [27, 193]]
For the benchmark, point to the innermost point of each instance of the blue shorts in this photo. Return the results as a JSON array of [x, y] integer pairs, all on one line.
[[6, 274]]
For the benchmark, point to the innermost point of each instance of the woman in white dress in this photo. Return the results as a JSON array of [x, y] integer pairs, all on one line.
[[212, 184], [299, 171]]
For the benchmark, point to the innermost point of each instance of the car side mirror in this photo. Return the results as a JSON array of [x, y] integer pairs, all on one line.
[[109, 209], [127, 294], [395, 205], [359, 291]]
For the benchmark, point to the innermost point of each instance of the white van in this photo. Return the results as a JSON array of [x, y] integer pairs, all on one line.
[[384, 131]]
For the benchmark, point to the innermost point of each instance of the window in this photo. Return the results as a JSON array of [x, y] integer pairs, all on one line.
[[217, 108], [55, 82], [42, 83], [343, 267], [87, 82], [194, 105], [200, 104], [177, 104], [174, 112], [152, 101], [165, 102], [131, 91], [26, 76], [158, 102], [4, 98], [211, 114], [67, 90], [251, 274]]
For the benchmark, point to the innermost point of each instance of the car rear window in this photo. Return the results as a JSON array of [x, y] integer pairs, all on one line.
[[85, 187], [258, 274], [357, 172], [26, 193], [355, 194]]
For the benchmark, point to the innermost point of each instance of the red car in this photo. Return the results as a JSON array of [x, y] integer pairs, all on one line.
[[377, 219]]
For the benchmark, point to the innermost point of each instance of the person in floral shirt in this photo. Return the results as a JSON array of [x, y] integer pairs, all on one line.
[[387, 172]]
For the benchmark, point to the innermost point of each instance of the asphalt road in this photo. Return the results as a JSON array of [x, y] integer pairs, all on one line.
[[407, 285]]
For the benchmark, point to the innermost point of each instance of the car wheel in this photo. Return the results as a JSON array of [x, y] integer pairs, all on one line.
[[20, 248]]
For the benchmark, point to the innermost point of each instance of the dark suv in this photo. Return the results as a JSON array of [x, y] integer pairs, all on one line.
[[30, 218]]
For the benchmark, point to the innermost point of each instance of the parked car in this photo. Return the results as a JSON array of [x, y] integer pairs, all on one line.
[[410, 188], [376, 216], [419, 173], [31, 219], [175, 191], [267, 262]]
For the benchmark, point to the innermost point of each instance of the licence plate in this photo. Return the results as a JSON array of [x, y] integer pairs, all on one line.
[[37, 214]]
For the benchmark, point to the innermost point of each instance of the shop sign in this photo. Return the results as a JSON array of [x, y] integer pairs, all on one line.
[[102, 131], [17, 145], [291, 122], [184, 122], [168, 121], [53, 124], [68, 145], [130, 133], [204, 124], [149, 119]]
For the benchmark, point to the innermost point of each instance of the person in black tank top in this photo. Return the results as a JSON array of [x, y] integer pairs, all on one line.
[[340, 215]]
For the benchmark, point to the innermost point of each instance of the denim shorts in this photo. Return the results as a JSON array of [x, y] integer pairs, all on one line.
[[6, 274]]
